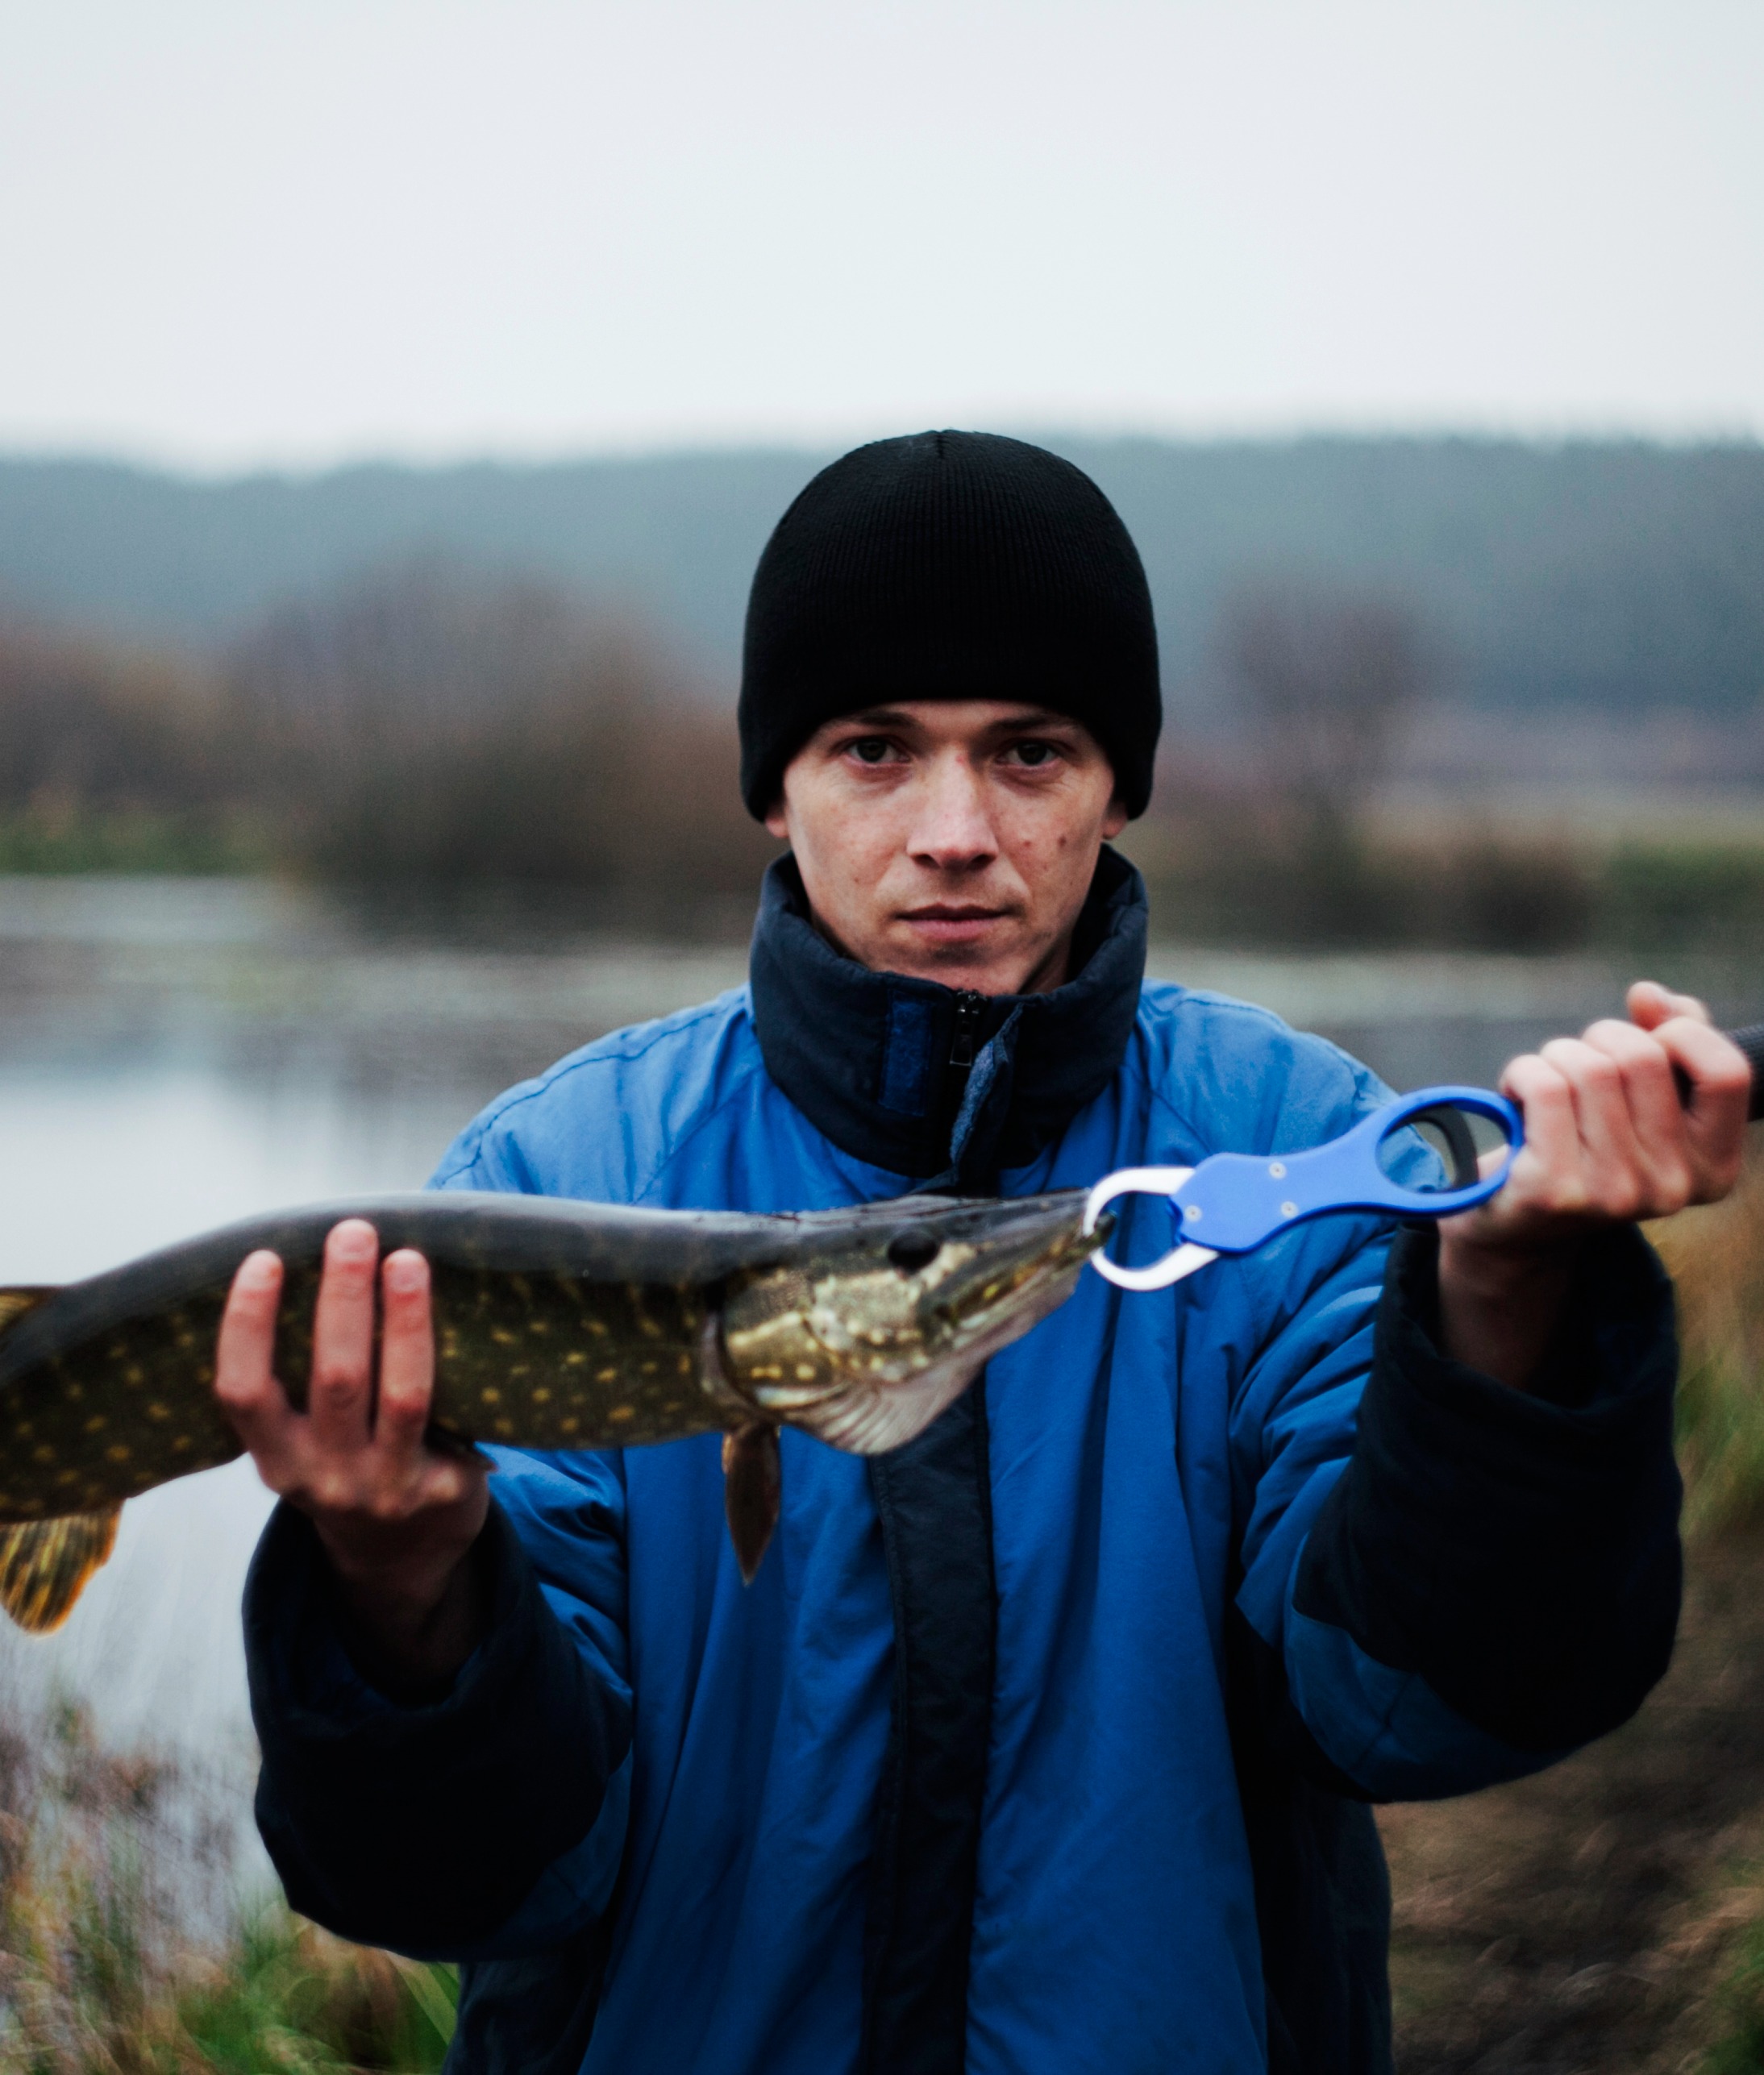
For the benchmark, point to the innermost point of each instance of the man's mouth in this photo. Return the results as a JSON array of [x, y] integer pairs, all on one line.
[[952, 921]]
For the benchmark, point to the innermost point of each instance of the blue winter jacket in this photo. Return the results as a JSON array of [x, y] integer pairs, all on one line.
[[1044, 1744]]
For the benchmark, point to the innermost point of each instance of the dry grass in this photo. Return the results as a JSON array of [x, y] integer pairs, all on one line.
[[1608, 1915], [123, 1952]]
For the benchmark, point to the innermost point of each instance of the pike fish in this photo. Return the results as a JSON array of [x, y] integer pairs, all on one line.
[[558, 1325]]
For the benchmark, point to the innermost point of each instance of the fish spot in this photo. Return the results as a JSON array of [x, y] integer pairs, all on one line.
[[648, 1368], [181, 1444], [542, 1396], [684, 1365], [598, 1328], [490, 1395], [134, 1375], [538, 1325], [805, 1372], [206, 1373], [76, 1392], [622, 1413], [67, 1477], [117, 1452], [117, 1349], [502, 1336], [567, 1426], [43, 1453], [505, 1428], [97, 1423], [575, 1358], [156, 1411], [522, 1369], [24, 1431], [606, 1376]]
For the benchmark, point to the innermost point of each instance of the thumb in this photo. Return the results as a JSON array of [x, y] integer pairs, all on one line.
[[1650, 1005]]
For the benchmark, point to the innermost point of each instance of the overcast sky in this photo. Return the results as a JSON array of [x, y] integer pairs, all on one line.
[[235, 231]]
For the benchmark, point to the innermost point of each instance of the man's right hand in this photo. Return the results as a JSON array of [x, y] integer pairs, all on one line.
[[396, 1519]]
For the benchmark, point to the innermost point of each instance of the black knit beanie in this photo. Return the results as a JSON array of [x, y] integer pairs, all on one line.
[[949, 565]]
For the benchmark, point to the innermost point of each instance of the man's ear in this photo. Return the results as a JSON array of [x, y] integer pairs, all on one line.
[[778, 820], [1114, 821]]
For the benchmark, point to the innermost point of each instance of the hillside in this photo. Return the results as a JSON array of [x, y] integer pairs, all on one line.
[[1616, 576]]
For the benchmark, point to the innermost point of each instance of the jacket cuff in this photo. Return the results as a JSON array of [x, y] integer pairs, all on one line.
[[1517, 1549], [423, 1827]]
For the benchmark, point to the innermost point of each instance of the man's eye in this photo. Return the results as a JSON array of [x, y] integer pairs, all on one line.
[[1035, 754], [871, 749]]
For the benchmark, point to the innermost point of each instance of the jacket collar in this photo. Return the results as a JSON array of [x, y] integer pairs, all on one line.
[[912, 1077]]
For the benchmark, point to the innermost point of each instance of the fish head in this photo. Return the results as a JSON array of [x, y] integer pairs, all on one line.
[[862, 1342]]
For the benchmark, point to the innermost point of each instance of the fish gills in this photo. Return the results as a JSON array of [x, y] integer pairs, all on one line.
[[44, 1565], [752, 1492]]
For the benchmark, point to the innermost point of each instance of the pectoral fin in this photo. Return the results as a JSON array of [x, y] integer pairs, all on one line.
[[752, 1492], [44, 1565]]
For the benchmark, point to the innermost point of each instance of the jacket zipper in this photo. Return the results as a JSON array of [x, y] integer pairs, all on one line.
[[969, 1007]]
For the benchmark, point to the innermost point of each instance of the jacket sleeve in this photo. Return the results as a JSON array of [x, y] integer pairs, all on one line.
[[491, 1822], [1446, 1583]]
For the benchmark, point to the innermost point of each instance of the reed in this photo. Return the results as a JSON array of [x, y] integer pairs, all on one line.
[[123, 1950], [1716, 1257]]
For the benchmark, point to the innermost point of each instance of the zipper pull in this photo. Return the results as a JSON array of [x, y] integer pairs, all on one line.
[[969, 1008]]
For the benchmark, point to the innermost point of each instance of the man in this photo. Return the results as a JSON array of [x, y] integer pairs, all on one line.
[[1045, 1742]]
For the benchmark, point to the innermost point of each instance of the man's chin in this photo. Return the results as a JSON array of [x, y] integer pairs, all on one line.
[[980, 968]]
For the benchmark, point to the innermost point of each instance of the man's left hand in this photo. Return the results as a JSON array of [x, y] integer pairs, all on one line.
[[1608, 1140]]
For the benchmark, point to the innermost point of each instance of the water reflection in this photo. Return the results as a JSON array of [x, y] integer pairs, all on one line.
[[174, 1055]]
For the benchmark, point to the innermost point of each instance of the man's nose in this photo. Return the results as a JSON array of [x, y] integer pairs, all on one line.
[[953, 829]]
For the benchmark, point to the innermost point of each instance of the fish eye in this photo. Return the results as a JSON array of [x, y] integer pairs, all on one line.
[[912, 1249]]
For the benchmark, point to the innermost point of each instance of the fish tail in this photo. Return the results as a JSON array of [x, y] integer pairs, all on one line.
[[752, 1492], [44, 1565]]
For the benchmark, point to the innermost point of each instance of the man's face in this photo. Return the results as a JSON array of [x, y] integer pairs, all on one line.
[[953, 841]]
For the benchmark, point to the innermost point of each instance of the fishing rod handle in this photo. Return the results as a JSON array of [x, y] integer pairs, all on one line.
[[1751, 1042]]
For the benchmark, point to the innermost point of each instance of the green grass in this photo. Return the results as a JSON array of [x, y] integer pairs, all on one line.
[[1717, 1258], [1739, 2046], [103, 1863], [185, 844]]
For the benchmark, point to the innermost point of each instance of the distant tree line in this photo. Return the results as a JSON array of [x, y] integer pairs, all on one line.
[[433, 731], [424, 729], [1614, 576]]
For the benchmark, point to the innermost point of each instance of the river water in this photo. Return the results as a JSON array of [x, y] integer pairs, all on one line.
[[174, 1054]]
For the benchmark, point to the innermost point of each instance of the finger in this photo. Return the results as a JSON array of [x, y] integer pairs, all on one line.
[[340, 1399], [1719, 1076], [251, 1400], [447, 1480], [1616, 1171], [1650, 1005], [406, 1356], [1550, 1167], [1656, 1116]]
